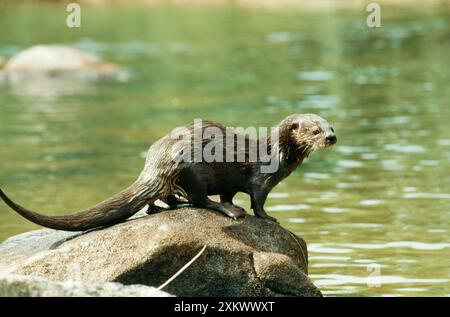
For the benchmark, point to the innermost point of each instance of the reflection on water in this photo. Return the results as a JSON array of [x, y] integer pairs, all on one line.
[[136, 47], [287, 207], [315, 75], [48, 90], [374, 209]]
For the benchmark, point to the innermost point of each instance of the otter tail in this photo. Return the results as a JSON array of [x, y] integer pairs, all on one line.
[[107, 213]]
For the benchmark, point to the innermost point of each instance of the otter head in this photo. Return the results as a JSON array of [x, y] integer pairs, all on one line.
[[310, 131]]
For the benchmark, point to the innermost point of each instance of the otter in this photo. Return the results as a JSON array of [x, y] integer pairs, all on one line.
[[167, 178]]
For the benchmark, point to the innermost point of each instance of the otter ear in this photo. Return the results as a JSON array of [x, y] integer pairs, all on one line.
[[294, 126]]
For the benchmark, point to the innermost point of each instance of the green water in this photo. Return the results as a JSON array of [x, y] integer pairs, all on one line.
[[380, 200]]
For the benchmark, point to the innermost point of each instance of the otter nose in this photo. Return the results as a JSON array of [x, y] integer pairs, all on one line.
[[331, 138]]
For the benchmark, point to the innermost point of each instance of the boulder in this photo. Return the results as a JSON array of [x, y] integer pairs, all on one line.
[[244, 257], [29, 286], [57, 61]]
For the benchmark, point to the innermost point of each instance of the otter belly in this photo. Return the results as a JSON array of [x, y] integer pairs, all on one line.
[[215, 178]]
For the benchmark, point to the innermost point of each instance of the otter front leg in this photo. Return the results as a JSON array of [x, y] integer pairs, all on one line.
[[258, 198]]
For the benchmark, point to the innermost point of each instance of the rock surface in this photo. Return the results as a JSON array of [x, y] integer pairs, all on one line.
[[245, 257], [29, 286], [57, 61]]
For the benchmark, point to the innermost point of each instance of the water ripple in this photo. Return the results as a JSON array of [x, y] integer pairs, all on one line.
[[319, 102], [349, 164], [334, 209], [346, 149], [371, 202], [444, 142], [365, 225], [287, 207], [321, 248], [317, 75], [281, 37], [296, 220], [405, 148], [317, 175], [329, 257], [340, 279], [278, 195], [399, 244], [426, 195]]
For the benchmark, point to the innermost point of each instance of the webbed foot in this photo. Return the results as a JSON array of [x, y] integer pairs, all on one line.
[[234, 211]]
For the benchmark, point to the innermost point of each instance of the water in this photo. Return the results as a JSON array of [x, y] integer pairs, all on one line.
[[374, 210]]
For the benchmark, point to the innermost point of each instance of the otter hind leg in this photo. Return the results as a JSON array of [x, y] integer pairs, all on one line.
[[153, 209], [173, 202], [227, 197], [228, 209]]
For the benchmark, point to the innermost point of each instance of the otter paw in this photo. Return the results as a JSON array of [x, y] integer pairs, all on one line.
[[153, 209], [234, 211], [238, 212], [268, 218]]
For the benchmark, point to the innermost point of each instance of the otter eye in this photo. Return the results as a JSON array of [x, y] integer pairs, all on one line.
[[316, 132], [332, 130]]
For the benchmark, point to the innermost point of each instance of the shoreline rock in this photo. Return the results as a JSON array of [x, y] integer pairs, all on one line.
[[245, 257], [29, 286]]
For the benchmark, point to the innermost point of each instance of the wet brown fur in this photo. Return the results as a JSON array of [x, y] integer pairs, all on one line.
[[168, 180]]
